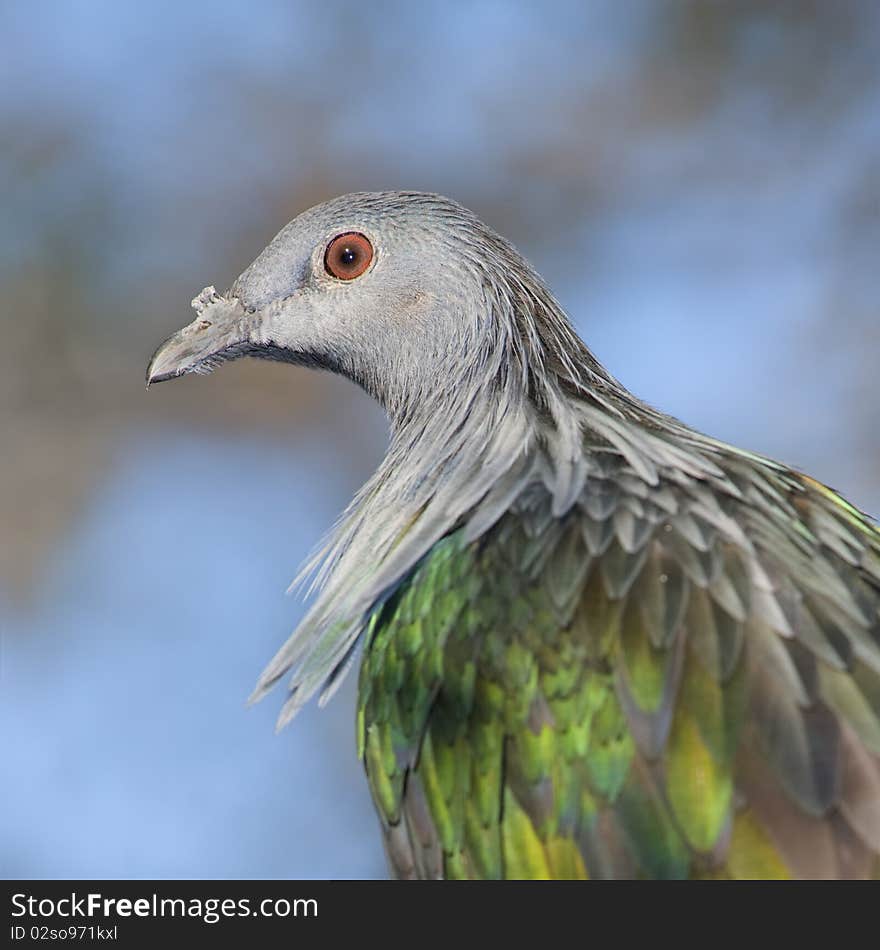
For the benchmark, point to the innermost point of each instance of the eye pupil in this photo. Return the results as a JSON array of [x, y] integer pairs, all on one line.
[[348, 256]]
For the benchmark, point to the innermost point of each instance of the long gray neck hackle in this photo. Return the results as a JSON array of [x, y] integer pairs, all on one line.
[[521, 401]]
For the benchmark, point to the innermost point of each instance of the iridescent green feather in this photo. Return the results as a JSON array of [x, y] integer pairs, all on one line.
[[670, 705]]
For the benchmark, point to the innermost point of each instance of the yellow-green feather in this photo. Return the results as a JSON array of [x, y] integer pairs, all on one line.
[[532, 706]]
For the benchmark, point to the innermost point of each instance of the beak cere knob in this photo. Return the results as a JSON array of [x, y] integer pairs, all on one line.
[[219, 332]]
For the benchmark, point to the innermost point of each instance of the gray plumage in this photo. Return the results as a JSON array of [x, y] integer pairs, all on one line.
[[503, 423], [475, 363]]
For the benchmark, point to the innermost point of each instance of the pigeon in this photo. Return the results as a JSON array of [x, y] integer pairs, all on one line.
[[594, 642]]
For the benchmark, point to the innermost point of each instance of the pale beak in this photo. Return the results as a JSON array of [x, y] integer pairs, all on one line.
[[219, 331]]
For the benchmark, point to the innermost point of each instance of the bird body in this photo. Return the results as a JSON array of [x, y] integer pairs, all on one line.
[[596, 643]]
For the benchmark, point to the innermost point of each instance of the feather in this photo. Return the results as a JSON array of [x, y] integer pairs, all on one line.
[[860, 789], [619, 569], [805, 843], [662, 595]]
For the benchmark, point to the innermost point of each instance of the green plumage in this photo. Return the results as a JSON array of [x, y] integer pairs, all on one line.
[[639, 688]]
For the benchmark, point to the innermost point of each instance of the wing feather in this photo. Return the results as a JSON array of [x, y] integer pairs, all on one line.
[[677, 677]]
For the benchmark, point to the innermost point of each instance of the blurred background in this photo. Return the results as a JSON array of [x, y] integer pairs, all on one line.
[[698, 181]]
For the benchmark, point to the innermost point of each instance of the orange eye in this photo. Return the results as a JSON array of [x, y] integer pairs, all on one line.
[[348, 256]]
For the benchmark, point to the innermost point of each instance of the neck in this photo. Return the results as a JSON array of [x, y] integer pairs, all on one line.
[[529, 387]]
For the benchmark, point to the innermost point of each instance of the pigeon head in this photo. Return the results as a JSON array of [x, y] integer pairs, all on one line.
[[406, 294]]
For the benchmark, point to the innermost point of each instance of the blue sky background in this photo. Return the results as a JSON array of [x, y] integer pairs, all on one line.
[[699, 183]]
